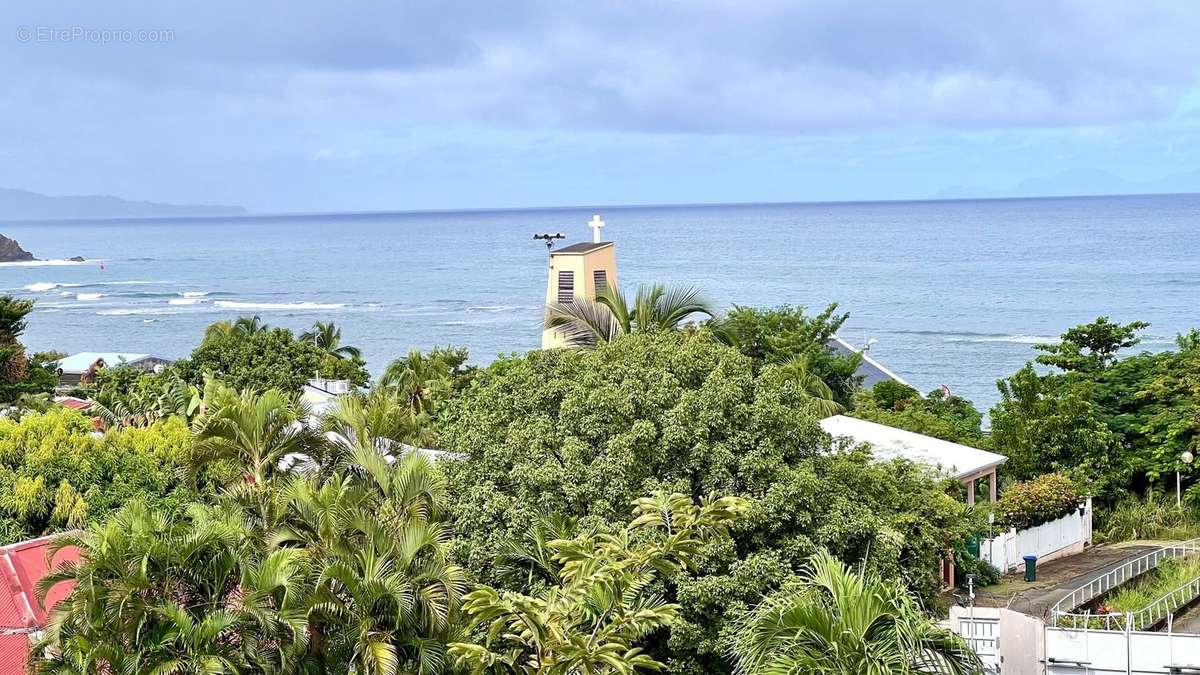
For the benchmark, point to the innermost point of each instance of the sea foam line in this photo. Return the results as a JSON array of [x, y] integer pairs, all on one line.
[[236, 304]]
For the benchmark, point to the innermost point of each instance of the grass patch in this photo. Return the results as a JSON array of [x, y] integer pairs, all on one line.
[[1147, 519], [1169, 575]]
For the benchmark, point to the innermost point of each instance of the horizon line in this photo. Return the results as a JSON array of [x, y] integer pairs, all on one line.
[[252, 215]]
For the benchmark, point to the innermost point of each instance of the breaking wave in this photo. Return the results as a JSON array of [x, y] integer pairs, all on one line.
[[236, 304]]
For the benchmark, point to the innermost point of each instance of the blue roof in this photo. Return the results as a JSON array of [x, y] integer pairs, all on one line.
[[79, 363]]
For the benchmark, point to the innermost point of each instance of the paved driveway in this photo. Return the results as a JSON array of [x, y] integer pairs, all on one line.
[[1057, 578]]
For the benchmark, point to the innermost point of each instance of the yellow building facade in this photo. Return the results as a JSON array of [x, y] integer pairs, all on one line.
[[577, 272]]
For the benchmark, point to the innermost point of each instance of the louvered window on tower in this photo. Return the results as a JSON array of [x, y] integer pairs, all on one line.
[[566, 286], [600, 277]]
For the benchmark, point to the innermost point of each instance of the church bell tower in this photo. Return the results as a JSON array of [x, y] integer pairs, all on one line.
[[579, 271]]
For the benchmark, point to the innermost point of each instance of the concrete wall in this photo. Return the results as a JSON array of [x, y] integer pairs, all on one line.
[[1075, 652]]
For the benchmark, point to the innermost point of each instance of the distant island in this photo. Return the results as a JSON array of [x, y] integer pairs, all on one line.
[[26, 205]]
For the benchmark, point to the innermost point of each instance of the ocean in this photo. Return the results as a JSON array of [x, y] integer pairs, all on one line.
[[952, 292]]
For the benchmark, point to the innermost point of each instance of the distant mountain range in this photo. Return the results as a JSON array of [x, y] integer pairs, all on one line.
[[1080, 182], [25, 205]]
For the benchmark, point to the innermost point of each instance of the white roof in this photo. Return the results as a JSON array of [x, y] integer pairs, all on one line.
[[79, 363], [955, 459]]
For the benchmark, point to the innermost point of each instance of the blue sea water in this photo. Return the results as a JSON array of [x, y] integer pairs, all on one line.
[[955, 292]]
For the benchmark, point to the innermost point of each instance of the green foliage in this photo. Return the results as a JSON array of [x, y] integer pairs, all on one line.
[[586, 322], [338, 570], [423, 381], [582, 433], [259, 359], [1148, 518], [783, 334], [1027, 504], [602, 601], [950, 418], [891, 395], [1045, 424], [19, 374], [129, 397], [966, 563], [835, 622], [54, 474], [1138, 594], [1090, 347], [1113, 424]]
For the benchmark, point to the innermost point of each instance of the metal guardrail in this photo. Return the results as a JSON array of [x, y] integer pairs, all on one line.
[[1061, 613]]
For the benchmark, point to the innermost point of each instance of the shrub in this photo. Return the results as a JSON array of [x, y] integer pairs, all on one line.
[[1147, 519], [1027, 504]]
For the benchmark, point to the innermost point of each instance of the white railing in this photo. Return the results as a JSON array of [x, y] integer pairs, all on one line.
[[1061, 613]]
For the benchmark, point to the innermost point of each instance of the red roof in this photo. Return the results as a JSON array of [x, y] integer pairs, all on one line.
[[22, 565], [74, 402]]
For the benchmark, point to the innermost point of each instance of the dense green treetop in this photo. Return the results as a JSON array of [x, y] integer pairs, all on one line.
[[783, 334], [1113, 424], [583, 433], [1090, 347], [55, 474], [265, 358]]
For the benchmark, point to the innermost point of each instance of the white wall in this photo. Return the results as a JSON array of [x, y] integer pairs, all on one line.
[[1073, 652]]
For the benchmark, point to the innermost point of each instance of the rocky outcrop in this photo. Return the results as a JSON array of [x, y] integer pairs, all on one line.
[[11, 251]]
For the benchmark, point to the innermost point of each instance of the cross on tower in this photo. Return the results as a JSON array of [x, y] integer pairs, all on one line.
[[596, 224]]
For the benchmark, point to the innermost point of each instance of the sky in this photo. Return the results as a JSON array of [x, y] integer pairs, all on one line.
[[297, 106]]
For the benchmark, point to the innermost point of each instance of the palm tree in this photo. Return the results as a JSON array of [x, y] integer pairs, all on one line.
[[794, 373], [256, 430], [243, 325], [836, 622], [379, 422], [173, 593], [328, 338], [386, 597], [655, 308], [418, 379]]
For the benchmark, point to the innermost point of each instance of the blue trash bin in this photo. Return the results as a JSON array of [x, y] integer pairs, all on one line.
[[1030, 567]]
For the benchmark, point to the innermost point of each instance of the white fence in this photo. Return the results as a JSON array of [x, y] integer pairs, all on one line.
[[1065, 536]]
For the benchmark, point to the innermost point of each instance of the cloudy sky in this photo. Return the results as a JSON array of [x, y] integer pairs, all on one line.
[[303, 106]]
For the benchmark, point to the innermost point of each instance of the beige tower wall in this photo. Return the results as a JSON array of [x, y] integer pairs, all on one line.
[[584, 265]]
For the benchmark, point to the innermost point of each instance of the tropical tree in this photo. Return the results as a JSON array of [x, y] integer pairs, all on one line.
[[604, 602], [151, 398], [255, 431], [586, 322], [175, 593], [328, 337], [836, 622], [18, 375], [795, 373], [379, 422], [419, 379], [243, 325], [340, 574]]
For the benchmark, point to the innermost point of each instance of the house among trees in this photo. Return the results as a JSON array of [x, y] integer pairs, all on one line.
[[974, 468], [81, 368]]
